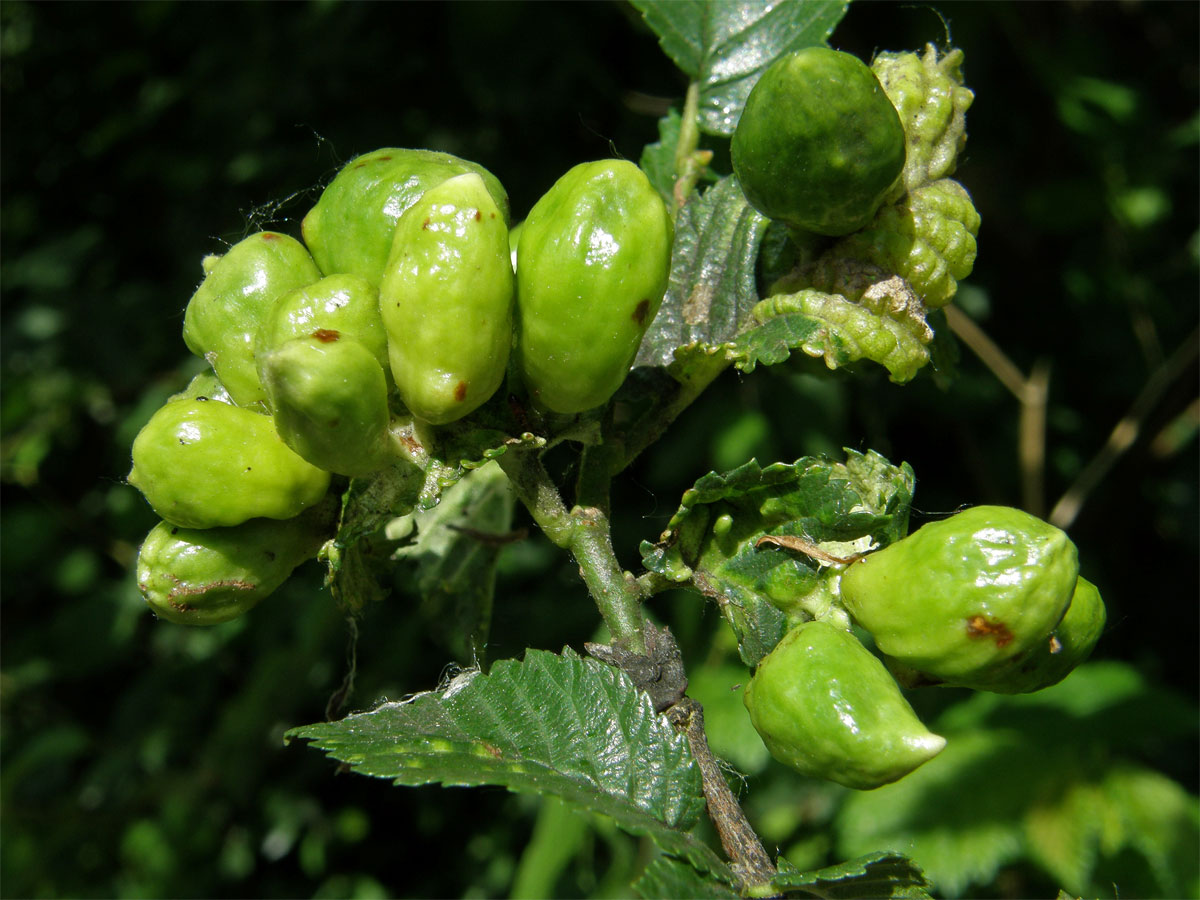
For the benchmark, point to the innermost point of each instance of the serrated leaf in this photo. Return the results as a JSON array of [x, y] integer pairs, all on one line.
[[454, 560], [712, 284], [666, 878], [551, 724], [957, 816], [1034, 778], [658, 159], [725, 45], [876, 875], [712, 540]]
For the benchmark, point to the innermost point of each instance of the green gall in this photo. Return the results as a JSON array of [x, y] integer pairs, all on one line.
[[826, 707], [594, 257], [343, 304], [204, 464], [928, 93], [819, 144], [447, 300], [328, 397], [964, 600], [1056, 655], [239, 290], [204, 576], [350, 228], [205, 386]]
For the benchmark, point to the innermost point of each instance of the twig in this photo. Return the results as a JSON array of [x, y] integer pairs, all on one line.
[[745, 851], [1031, 393], [1125, 432], [585, 533], [987, 350], [1031, 431]]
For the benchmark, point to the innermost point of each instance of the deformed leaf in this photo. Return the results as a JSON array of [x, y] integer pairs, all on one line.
[[712, 284], [832, 328], [724, 46], [454, 559], [876, 875], [551, 724], [666, 878], [713, 540]]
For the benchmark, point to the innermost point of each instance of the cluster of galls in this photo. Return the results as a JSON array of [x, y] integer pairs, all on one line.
[[990, 599], [402, 306]]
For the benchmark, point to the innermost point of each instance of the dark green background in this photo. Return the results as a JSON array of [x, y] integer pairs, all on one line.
[[142, 759]]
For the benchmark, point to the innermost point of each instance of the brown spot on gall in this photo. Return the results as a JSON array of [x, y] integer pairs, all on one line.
[[326, 335], [425, 224], [270, 236], [479, 215], [980, 627], [460, 391], [639, 314], [384, 158]]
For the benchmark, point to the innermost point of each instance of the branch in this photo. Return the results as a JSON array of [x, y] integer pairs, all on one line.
[[1124, 433], [585, 533], [745, 851], [1031, 393]]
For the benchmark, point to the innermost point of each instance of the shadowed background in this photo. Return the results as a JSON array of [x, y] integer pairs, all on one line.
[[144, 759]]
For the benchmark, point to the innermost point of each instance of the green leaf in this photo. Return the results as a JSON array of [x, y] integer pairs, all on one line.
[[876, 875], [371, 502], [1034, 778], [725, 45], [658, 159], [552, 724], [666, 878], [454, 557], [354, 566], [712, 285], [712, 540]]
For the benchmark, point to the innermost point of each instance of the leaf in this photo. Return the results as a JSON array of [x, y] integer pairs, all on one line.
[[725, 45], [1036, 778], [666, 878], [837, 330], [876, 875], [712, 284], [354, 567], [552, 724], [712, 540], [957, 816], [372, 501], [454, 559], [658, 159]]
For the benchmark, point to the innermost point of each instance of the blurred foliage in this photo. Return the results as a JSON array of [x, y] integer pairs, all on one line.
[[144, 759]]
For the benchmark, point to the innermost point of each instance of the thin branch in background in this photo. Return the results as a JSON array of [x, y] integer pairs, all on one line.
[[1031, 393], [1125, 432], [1179, 431], [1031, 451]]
